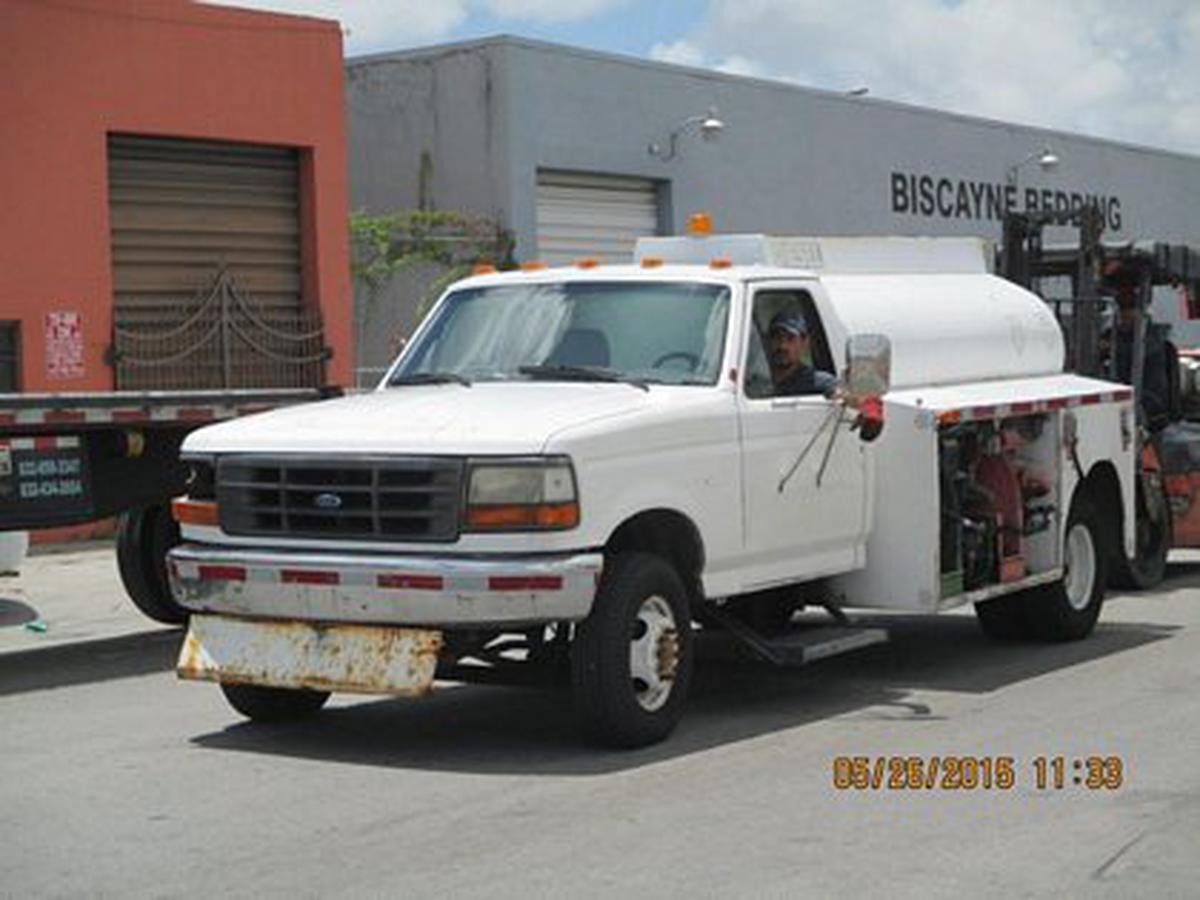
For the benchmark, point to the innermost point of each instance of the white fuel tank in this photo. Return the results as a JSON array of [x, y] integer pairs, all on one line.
[[949, 329]]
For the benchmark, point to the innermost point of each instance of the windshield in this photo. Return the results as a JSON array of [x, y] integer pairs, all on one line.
[[644, 332]]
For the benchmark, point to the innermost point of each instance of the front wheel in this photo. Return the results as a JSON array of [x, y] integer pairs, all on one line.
[[1067, 610], [631, 659], [269, 704]]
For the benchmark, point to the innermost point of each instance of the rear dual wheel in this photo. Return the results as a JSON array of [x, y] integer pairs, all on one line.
[[1148, 566], [1066, 610]]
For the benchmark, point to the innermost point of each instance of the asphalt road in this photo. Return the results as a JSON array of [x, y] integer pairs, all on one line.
[[118, 780]]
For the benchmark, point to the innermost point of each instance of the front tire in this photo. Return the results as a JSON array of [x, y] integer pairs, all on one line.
[[269, 704], [1068, 609], [631, 659]]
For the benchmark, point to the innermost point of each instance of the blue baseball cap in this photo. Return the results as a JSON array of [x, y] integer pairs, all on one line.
[[791, 322]]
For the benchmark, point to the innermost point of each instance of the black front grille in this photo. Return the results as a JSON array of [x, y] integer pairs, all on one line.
[[405, 499]]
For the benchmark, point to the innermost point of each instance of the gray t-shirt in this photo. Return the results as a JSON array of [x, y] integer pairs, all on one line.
[[806, 380]]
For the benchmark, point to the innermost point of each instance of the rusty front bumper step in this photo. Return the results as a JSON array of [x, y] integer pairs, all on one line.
[[368, 659]]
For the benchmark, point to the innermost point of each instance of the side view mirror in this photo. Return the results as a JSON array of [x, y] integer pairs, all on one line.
[[868, 377], [868, 367]]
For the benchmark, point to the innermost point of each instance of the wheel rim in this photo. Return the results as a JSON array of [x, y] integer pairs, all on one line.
[[653, 653], [1080, 578]]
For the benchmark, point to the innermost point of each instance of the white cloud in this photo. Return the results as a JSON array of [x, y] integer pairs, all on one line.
[[551, 10], [1122, 70], [682, 53], [685, 53], [377, 25]]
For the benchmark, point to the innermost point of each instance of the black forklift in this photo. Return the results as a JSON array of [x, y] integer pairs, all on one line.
[[1101, 293]]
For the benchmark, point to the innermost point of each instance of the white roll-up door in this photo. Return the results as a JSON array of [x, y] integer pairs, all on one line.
[[599, 216], [207, 266], [181, 208]]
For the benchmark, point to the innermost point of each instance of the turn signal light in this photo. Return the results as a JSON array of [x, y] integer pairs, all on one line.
[[520, 515], [194, 512]]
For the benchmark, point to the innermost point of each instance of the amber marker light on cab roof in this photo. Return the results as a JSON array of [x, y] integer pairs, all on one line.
[[720, 262], [194, 512], [483, 269], [534, 265], [588, 262], [699, 224], [651, 262]]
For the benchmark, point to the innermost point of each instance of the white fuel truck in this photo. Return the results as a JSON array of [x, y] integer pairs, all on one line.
[[569, 472]]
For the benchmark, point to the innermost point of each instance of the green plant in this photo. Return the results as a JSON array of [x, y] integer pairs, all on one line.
[[384, 245]]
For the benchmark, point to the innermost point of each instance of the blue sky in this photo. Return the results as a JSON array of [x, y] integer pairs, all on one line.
[[1116, 69]]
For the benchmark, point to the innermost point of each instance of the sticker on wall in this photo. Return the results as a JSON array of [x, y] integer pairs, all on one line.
[[64, 345]]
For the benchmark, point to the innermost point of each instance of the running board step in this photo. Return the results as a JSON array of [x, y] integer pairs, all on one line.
[[803, 644]]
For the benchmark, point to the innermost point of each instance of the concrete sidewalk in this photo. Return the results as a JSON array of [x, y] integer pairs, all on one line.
[[67, 594]]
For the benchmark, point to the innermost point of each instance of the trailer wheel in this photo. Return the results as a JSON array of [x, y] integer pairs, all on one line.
[[144, 536], [1067, 610], [1004, 618], [1149, 565], [631, 659], [269, 704]]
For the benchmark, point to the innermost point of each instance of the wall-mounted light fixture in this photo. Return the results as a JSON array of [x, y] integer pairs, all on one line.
[[1047, 161], [709, 126]]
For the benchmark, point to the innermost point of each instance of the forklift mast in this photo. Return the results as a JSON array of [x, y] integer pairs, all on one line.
[[1102, 275]]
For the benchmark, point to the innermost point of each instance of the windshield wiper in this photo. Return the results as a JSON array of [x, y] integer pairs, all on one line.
[[580, 373], [430, 378]]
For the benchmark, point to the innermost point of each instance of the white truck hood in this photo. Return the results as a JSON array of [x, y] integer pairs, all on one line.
[[499, 417]]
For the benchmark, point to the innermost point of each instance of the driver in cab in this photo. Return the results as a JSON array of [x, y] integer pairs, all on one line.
[[791, 372]]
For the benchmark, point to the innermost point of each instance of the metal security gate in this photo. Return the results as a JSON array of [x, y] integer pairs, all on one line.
[[599, 216], [222, 341], [206, 257]]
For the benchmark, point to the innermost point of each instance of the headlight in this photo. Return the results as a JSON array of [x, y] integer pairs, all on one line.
[[521, 495], [198, 506], [201, 478]]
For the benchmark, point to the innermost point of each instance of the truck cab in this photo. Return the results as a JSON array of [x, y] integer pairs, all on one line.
[[570, 467]]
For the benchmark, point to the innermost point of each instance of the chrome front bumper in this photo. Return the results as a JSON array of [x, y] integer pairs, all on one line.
[[434, 591]]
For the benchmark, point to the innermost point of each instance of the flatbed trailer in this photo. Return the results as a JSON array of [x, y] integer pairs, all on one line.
[[72, 458]]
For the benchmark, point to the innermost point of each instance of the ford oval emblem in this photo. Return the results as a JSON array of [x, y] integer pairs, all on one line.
[[327, 501]]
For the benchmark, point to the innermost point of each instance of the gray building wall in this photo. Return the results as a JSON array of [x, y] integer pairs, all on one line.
[[488, 115]]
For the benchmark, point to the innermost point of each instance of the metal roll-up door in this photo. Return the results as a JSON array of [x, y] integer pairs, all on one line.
[[206, 261], [599, 216]]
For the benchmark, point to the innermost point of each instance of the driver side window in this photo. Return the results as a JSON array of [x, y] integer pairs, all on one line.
[[771, 305]]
